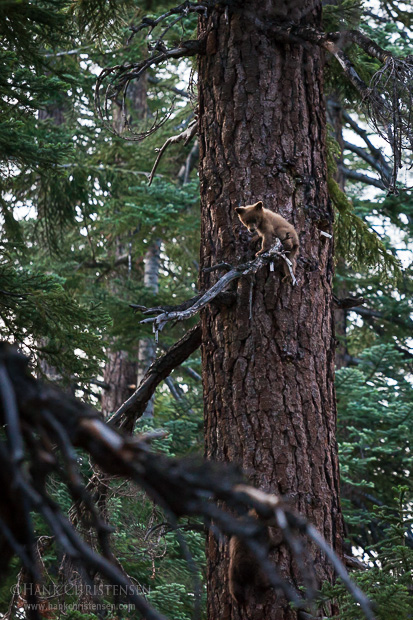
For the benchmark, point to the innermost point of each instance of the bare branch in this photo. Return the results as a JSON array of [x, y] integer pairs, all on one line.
[[376, 152], [185, 137], [294, 521], [127, 414], [118, 78], [348, 302], [377, 164], [211, 491], [364, 178], [162, 319], [392, 318]]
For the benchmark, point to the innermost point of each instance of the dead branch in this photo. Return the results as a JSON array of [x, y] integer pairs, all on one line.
[[127, 414], [49, 425], [288, 522], [363, 178], [234, 273], [185, 137], [392, 318], [118, 78], [377, 164], [348, 302]]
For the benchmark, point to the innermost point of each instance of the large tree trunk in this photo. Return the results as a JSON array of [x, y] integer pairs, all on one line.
[[269, 379]]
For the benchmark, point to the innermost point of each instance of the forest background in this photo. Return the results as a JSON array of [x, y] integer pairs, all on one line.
[[84, 236]]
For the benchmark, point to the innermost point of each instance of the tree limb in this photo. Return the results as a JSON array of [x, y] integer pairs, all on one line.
[[348, 302], [375, 314], [185, 137], [162, 319], [375, 151], [132, 409], [375, 163], [364, 178]]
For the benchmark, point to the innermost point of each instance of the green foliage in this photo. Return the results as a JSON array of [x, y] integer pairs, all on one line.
[[342, 15], [355, 242], [39, 315], [374, 423], [27, 26], [388, 579]]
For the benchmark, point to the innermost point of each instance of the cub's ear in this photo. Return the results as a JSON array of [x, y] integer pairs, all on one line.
[[258, 205], [240, 209]]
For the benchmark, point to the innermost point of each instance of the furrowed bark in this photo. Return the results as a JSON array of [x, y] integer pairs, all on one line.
[[268, 381]]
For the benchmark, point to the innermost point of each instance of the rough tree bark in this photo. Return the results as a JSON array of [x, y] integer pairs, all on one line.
[[269, 379]]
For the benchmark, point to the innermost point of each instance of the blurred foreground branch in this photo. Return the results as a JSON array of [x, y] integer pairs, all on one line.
[[42, 430]]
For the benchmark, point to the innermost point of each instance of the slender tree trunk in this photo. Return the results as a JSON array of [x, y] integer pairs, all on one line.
[[340, 314], [147, 346], [120, 375], [269, 378], [120, 371]]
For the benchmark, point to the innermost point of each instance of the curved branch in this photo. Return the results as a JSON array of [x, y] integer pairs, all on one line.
[[120, 77], [185, 137], [364, 178]]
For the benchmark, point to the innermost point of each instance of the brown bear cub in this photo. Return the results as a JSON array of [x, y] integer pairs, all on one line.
[[245, 574], [246, 577], [268, 226]]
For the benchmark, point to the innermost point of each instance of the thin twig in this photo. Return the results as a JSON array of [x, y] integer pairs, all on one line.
[[185, 137]]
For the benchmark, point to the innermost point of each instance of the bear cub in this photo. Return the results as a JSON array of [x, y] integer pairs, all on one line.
[[268, 226]]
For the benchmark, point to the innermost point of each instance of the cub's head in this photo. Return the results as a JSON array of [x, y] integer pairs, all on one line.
[[251, 215]]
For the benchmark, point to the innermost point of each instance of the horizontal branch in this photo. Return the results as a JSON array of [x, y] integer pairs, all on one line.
[[376, 314], [132, 409], [348, 302], [363, 178]]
